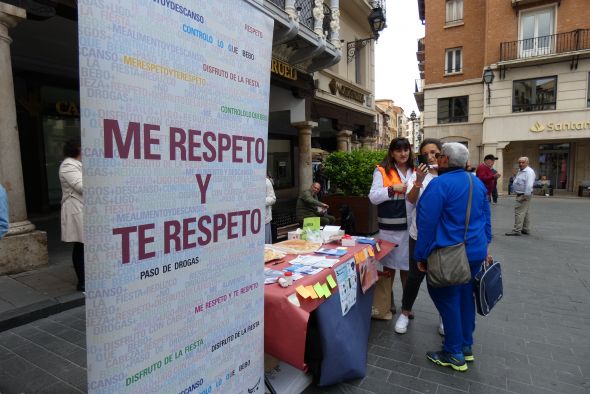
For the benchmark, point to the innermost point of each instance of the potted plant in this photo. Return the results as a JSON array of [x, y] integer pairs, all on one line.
[[351, 175]]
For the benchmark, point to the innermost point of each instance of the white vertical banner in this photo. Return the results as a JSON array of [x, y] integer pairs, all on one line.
[[174, 98]]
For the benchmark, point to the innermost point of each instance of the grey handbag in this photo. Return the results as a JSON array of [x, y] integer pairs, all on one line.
[[449, 266]]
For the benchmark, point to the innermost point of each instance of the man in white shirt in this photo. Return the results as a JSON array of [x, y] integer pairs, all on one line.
[[523, 188]]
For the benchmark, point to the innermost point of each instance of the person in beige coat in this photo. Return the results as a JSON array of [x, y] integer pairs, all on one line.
[[72, 203]]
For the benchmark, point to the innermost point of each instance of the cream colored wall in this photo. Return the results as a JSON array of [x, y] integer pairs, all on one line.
[[470, 131], [354, 25], [571, 86], [432, 93]]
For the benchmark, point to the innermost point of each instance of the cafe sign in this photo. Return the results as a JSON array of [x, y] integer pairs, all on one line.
[[283, 69], [345, 91], [539, 127]]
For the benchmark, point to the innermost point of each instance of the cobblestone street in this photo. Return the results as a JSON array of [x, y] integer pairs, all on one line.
[[535, 341]]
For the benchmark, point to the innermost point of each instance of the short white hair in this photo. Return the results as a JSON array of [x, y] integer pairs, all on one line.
[[457, 153], [524, 158]]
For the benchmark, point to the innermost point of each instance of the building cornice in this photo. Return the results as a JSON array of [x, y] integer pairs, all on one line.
[[475, 81]]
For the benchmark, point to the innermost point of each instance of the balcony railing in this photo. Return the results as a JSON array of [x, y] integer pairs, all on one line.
[[326, 22], [545, 45], [279, 3], [305, 8]]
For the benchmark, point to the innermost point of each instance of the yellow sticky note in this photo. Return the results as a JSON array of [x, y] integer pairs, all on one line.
[[366, 253], [371, 252], [311, 292], [327, 292], [357, 258], [319, 289], [362, 255], [331, 281], [302, 291]]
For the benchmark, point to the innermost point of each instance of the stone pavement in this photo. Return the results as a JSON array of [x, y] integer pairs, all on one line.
[[31, 295], [535, 341]]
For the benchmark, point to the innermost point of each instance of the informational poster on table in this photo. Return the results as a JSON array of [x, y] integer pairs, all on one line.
[[174, 98]]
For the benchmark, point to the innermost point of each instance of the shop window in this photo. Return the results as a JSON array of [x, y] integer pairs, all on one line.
[[280, 163], [453, 109], [537, 94], [454, 11], [453, 60]]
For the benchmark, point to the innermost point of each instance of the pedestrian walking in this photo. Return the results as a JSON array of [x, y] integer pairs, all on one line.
[[388, 192], [3, 212], [418, 182], [270, 200], [523, 188], [72, 204], [487, 175], [441, 222]]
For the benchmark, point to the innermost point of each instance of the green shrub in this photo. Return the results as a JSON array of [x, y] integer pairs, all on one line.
[[352, 172]]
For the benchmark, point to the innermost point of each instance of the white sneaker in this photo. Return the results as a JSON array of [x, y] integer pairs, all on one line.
[[546, 195], [401, 325], [441, 327]]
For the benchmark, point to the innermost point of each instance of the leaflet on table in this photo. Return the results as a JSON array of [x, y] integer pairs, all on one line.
[[366, 240], [304, 269], [271, 276], [314, 261], [332, 251]]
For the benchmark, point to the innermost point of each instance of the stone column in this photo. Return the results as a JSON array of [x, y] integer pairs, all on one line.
[[343, 141], [23, 248], [368, 143], [305, 169], [500, 167]]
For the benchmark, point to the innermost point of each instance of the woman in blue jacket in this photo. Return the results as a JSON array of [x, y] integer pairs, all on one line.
[[440, 219]]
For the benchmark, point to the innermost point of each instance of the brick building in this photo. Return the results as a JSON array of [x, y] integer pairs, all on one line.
[[538, 102]]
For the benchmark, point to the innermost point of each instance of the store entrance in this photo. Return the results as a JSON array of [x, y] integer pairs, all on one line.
[[554, 164]]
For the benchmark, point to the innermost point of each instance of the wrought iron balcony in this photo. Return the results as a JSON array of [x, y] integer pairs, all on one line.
[[554, 44], [279, 3], [305, 8]]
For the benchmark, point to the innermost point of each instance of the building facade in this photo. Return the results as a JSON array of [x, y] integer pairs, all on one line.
[[535, 55]]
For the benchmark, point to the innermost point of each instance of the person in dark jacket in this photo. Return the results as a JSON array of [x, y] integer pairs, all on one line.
[[440, 220], [488, 175], [308, 206]]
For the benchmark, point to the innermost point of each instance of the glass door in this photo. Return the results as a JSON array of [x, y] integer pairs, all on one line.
[[536, 32], [554, 164]]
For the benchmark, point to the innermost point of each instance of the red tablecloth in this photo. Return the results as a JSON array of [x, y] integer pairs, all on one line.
[[285, 324]]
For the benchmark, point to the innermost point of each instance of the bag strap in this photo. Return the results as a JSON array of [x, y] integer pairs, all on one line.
[[468, 213]]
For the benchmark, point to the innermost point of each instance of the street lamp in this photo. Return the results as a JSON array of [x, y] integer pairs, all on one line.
[[488, 78], [377, 23], [415, 135]]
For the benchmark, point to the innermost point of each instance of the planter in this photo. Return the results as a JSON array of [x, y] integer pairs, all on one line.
[[365, 213]]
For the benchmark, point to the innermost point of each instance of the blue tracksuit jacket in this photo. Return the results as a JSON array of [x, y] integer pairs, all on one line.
[[441, 216]]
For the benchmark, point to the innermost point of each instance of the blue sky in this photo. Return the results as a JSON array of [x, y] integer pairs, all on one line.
[[396, 66]]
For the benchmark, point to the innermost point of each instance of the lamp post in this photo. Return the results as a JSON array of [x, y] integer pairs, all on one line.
[[415, 135], [377, 23], [488, 78]]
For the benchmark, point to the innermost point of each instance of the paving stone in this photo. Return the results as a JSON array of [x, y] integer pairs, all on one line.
[[479, 388], [380, 387], [521, 388], [60, 388], [393, 354], [412, 383], [398, 366], [453, 381], [377, 372]]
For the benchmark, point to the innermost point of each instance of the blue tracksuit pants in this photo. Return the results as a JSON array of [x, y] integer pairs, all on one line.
[[456, 305]]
